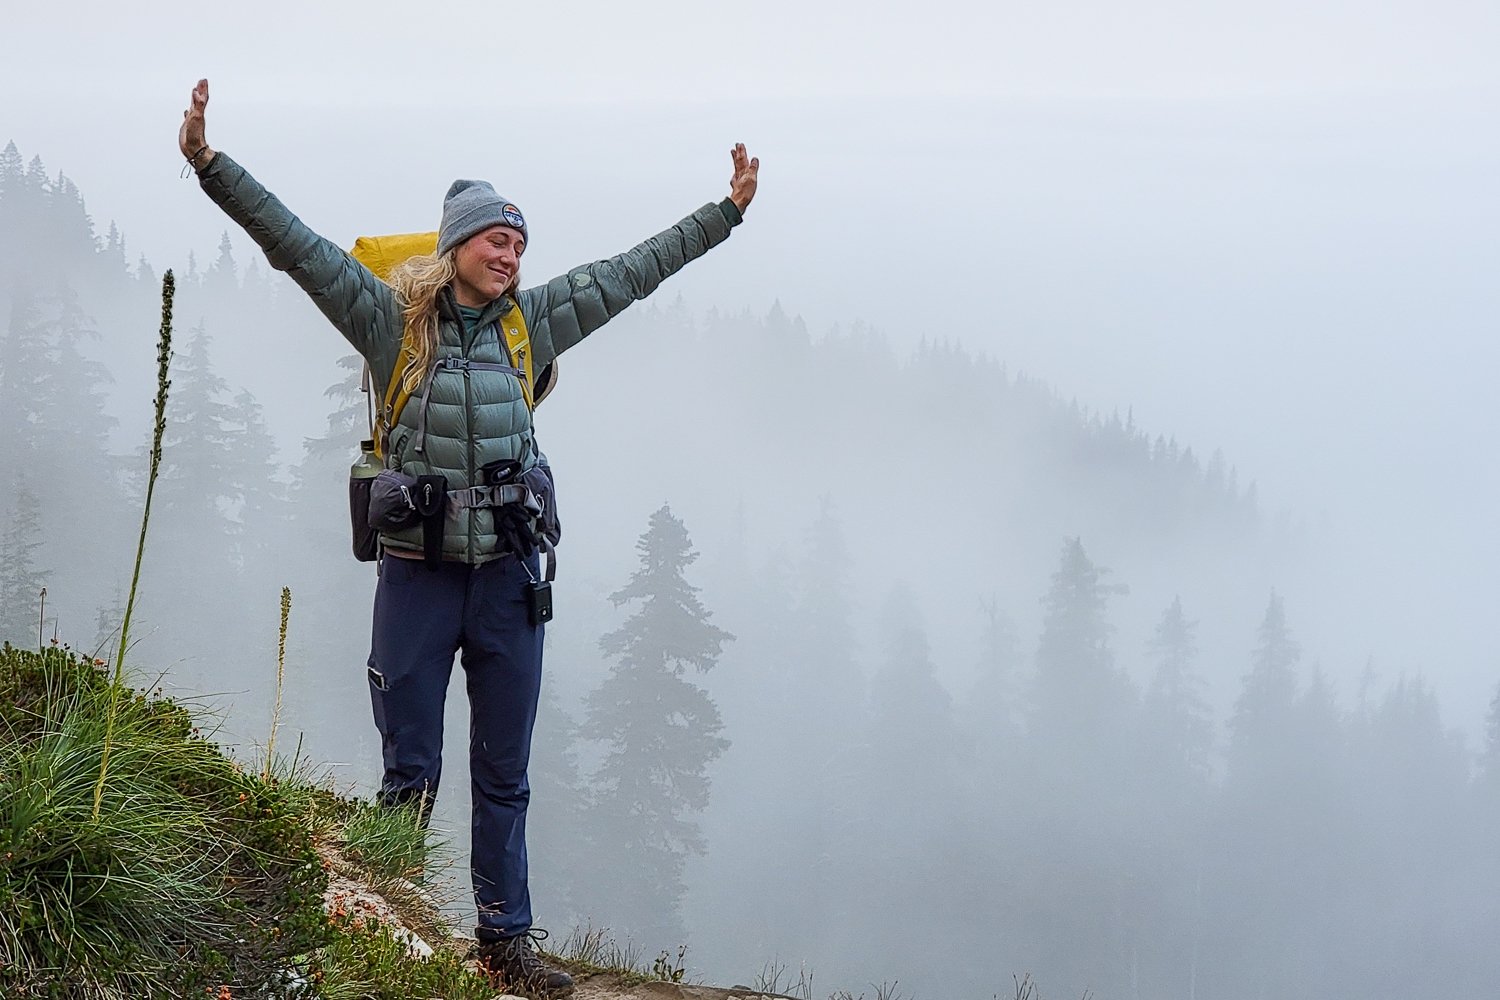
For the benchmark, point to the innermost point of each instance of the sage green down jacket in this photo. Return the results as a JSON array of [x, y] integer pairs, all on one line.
[[473, 417]]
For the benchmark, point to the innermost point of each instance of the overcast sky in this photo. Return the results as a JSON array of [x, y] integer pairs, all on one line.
[[372, 52], [1266, 227]]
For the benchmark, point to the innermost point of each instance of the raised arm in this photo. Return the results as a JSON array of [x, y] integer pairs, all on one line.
[[571, 306], [360, 305]]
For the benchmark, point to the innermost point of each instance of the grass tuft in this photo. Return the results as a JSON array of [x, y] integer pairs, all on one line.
[[389, 842], [591, 951], [368, 961]]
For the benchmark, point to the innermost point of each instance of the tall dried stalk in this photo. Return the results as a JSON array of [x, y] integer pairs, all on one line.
[[286, 613], [163, 362]]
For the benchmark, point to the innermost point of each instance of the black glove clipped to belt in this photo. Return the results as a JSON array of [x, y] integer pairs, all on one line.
[[516, 528]]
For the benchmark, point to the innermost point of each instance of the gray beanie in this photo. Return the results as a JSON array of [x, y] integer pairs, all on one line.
[[472, 207]]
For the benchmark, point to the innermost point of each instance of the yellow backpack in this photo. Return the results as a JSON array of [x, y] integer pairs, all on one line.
[[382, 254]]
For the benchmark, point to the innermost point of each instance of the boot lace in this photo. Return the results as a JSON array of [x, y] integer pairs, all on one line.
[[518, 959]]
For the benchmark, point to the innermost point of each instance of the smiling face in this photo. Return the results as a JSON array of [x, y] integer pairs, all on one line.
[[488, 264]]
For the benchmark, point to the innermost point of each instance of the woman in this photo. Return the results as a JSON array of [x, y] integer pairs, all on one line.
[[462, 580]]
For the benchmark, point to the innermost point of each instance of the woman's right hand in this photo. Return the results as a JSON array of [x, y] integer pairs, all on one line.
[[190, 138]]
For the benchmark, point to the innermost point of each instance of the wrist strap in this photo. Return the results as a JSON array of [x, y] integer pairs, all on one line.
[[192, 161]]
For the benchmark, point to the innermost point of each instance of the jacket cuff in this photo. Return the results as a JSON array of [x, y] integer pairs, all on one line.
[[731, 212], [213, 166]]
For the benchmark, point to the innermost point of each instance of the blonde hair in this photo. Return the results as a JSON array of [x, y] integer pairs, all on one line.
[[417, 281]]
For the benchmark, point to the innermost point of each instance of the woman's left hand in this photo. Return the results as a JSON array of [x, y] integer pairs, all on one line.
[[746, 171]]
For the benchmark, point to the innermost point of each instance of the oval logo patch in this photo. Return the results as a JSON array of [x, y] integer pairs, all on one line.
[[513, 217]]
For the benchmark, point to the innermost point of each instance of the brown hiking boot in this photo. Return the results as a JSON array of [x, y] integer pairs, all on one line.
[[515, 962]]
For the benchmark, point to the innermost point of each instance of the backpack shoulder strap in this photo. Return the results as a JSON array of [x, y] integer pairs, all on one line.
[[517, 342], [382, 255]]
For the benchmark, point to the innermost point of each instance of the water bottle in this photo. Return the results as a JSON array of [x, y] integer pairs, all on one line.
[[361, 474], [367, 465]]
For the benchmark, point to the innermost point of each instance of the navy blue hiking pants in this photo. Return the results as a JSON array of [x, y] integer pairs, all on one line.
[[422, 618]]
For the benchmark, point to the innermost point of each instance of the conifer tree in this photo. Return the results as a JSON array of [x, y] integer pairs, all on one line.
[[659, 733], [803, 839], [332, 591], [21, 580], [1178, 726], [1081, 702], [73, 437], [915, 744], [1489, 759], [54, 395], [77, 421], [820, 699], [12, 169], [1176, 740], [914, 816], [199, 475], [24, 366], [12, 195], [1263, 711], [263, 505], [1077, 772], [23, 215], [1266, 814], [69, 224], [222, 277], [328, 455], [192, 576], [995, 710]]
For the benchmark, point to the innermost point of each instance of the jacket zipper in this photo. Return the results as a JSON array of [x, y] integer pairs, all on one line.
[[473, 525]]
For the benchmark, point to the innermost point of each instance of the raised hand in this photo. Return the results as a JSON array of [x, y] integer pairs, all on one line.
[[746, 172], [190, 137]]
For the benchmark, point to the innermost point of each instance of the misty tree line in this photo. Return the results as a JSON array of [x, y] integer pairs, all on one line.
[[1059, 817]]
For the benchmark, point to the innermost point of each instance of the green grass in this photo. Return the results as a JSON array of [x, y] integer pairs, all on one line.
[[193, 869], [368, 961], [198, 875], [390, 843]]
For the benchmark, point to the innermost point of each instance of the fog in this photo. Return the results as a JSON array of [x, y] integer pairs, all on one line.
[[1203, 299]]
